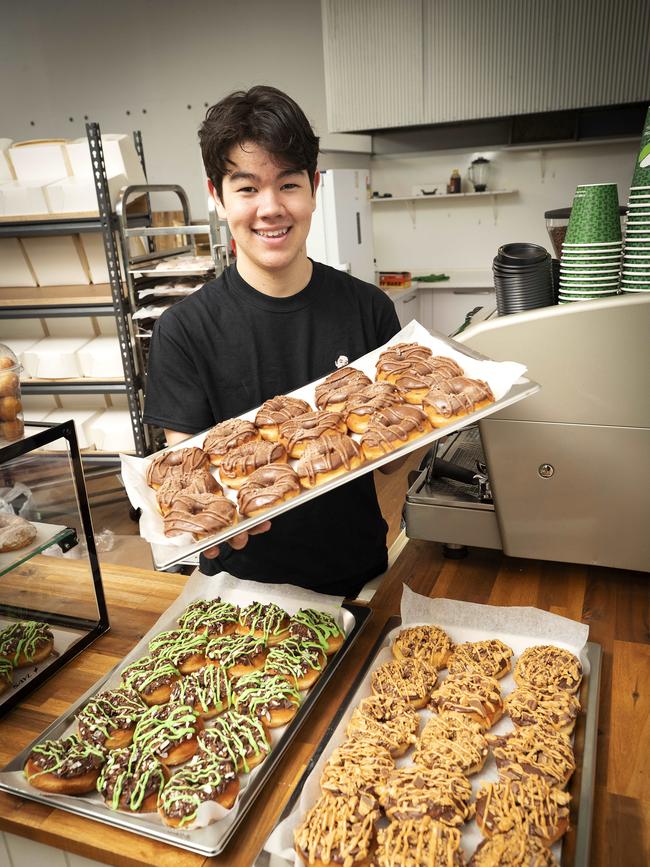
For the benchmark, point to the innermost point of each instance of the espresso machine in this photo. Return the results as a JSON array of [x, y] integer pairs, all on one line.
[[565, 474]]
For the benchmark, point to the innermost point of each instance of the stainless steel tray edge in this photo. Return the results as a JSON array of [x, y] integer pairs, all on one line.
[[175, 837]]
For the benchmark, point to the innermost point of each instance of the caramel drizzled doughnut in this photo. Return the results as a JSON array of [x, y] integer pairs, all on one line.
[[68, 766], [201, 482], [201, 515], [208, 691], [169, 731], [426, 643], [182, 647], [471, 695], [415, 792], [310, 625], [241, 461], [240, 739], [297, 432], [536, 750], [411, 680], [267, 487], [530, 805], [360, 406], [237, 654], [131, 780], [422, 842], [390, 722], [152, 678], [545, 665], [551, 707], [200, 781], [338, 831], [326, 458], [175, 462], [355, 767], [15, 532], [491, 658], [272, 699], [264, 620], [515, 848], [455, 398], [390, 428], [227, 435], [6, 674], [297, 660], [451, 741], [211, 616], [277, 410], [27, 642], [109, 719], [336, 388]]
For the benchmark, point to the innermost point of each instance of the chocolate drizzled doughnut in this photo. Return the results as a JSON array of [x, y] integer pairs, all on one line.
[[199, 514], [69, 766], [131, 780], [200, 781], [239, 739], [108, 720], [228, 435], [211, 616], [26, 642], [528, 706], [267, 487], [391, 428], [277, 410], [456, 397], [298, 431], [327, 457], [336, 388], [201, 482], [490, 657], [361, 405], [168, 731], [176, 462], [406, 352], [268, 697], [241, 461]]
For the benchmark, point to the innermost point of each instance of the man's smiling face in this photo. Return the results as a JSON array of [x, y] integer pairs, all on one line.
[[268, 207]]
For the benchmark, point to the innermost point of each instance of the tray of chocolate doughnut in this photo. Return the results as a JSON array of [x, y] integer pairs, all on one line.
[[177, 741], [467, 738], [400, 397]]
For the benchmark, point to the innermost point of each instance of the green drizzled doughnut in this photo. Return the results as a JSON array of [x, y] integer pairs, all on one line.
[[128, 777], [6, 669], [208, 688], [67, 757], [163, 727], [269, 619], [317, 625], [230, 650], [178, 645], [212, 615], [199, 781], [109, 711], [294, 658], [259, 694], [236, 737], [147, 674], [25, 638]]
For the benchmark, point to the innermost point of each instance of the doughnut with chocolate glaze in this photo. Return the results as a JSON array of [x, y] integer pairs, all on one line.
[[545, 665], [391, 428], [297, 432], [27, 642], [175, 462], [277, 410], [6, 674], [109, 719], [201, 482], [152, 678], [227, 435], [418, 843], [335, 389], [406, 352], [455, 398], [169, 731], [515, 848], [240, 462], [326, 458], [237, 654], [199, 781], [268, 697], [184, 648], [68, 766], [15, 532], [361, 405], [211, 616], [415, 792], [414, 385], [267, 487], [531, 805], [131, 780], [309, 625], [242, 740], [202, 515], [338, 831], [264, 620], [299, 661], [208, 691]]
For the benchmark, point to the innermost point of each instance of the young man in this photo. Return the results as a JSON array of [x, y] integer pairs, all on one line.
[[268, 325]]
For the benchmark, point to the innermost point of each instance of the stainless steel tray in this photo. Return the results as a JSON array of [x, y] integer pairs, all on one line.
[[576, 843], [205, 841]]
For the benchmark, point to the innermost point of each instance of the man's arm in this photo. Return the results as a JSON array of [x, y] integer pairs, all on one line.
[[174, 436]]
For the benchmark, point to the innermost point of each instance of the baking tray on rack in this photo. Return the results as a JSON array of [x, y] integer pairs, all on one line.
[[210, 840], [575, 847]]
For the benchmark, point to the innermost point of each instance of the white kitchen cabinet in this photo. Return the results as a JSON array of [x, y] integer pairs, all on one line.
[[407, 307], [444, 308]]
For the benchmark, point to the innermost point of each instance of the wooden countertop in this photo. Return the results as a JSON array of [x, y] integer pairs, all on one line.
[[615, 604]]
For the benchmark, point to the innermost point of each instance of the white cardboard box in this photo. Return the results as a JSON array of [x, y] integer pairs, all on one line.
[[18, 345], [101, 358], [83, 420], [6, 169], [54, 358], [78, 195], [40, 161], [93, 247], [57, 260], [112, 431], [18, 199], [14, 265], [120, 157]]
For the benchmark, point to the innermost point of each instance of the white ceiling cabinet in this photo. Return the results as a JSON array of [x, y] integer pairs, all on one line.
[[391, 63]]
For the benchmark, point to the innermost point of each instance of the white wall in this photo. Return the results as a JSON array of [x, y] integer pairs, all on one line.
[[465, 233], [80, 57]]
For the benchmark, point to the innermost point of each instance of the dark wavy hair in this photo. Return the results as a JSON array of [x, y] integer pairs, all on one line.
[[265, 116]]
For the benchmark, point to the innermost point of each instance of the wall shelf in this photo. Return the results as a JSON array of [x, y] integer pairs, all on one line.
[[436, 198]]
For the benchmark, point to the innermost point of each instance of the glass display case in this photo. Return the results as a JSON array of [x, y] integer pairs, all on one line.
[[52, 602]]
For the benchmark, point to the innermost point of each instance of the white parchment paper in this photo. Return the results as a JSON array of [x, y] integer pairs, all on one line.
[[519, 627]]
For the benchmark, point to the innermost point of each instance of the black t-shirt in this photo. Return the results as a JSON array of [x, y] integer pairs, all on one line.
[[225, 350]]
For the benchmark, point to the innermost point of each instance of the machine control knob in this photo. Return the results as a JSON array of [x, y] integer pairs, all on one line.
[[546, 470]]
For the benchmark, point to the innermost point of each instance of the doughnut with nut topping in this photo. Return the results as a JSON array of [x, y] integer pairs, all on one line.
[[407, 679], [418, 843], [473, 696], [545, 665], [338, 831], [551, 706], [490, 657], [531, 805], [426, 643], [355, 767], [415, 792], [391, 722]]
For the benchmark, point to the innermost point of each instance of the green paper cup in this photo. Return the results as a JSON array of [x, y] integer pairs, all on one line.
[[638, 290], [595, 216], [641, 176]]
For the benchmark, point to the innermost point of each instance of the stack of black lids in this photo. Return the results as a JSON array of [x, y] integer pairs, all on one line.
[[523, 278]]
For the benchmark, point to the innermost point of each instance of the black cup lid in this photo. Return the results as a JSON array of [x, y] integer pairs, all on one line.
[[521, 253]]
